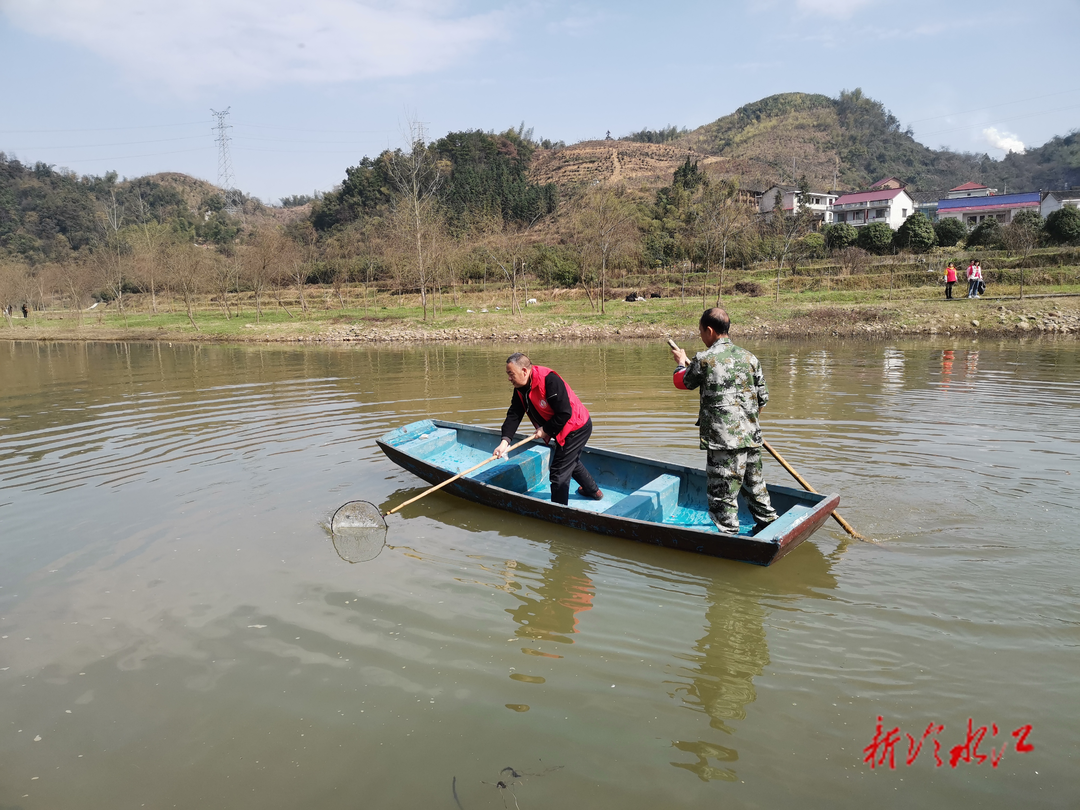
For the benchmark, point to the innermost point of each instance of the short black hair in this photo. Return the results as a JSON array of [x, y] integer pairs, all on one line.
[[716, 319], [520, 360]]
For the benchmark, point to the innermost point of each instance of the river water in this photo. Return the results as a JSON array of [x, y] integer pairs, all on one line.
[[178, 629]]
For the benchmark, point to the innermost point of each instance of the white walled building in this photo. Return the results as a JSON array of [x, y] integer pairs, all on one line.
[[818, 202], [1054, 200], [890, 205]]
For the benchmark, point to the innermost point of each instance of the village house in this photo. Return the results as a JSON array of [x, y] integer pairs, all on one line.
[[969, 190], [1055, 200], [887, 184], [889, 205], [817, 201], [979, 207]]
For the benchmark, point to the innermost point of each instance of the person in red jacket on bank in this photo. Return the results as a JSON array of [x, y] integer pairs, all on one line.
[[556, 413]]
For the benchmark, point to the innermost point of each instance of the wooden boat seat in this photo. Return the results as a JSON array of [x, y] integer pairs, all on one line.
[[520, 473], [653, 502]]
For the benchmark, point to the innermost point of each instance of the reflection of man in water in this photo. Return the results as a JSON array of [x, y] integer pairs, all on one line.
[[550, 612]]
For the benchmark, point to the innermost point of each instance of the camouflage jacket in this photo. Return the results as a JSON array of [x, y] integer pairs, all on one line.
[[732, 390]]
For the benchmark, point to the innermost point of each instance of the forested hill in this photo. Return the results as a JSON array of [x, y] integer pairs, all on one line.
[[487, 177], [855, 140]]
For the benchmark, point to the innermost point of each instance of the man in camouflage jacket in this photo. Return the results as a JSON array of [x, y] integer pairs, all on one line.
[[732, 391]]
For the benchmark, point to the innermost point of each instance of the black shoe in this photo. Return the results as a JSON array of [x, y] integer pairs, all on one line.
[[596, 496]]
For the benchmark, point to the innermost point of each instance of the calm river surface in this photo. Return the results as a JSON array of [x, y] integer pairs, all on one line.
[[177, 628]]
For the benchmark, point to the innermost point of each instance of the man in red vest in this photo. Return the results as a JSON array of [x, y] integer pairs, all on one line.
[[556, 413]]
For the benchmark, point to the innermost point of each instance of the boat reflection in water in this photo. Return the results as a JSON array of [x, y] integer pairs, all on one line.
[[591, 593]]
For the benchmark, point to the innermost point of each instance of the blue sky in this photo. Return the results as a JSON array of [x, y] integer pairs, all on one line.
[[128, 85]]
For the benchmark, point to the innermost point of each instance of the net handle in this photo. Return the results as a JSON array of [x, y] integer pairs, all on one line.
[[459, 475]]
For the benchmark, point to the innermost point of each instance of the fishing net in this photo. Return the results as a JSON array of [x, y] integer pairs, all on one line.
[[357, 515], [358, 531]]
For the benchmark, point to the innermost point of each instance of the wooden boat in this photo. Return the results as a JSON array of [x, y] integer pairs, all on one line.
[[645, 500]]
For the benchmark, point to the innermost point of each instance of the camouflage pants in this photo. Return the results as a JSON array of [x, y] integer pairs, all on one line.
[[730, 471]]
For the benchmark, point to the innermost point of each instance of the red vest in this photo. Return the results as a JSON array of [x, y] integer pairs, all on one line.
[[579, 415]]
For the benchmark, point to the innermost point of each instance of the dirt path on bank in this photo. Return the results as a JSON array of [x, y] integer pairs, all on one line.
[[1000, 318]]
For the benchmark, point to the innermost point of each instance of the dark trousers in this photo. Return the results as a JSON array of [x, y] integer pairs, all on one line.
[[566, 464], [948, 288]]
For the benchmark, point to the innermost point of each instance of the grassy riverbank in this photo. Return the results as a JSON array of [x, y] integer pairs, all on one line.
[[556, 316]]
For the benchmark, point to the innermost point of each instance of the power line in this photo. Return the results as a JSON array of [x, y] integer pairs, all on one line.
[[993, 106], [328, 131], [148, 154], [120, 143], [104, 129], [999, 121]]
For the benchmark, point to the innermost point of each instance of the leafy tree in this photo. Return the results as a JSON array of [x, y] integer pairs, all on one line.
[[812, 246], [986, 234], [877, 237], [916, 234], [1063, 225], [950, 231], [688, 176], [840, 235]]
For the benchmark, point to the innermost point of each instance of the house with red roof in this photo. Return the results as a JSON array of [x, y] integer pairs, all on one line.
[[889, 205], [887, 183]]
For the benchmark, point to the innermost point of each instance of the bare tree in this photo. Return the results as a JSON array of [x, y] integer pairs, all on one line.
[[606, 228], [112, 221], [188, 273], [722, 218], [416, 181]]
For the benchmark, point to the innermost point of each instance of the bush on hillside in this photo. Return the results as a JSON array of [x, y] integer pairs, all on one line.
[[950, 232], [1063, 225], [876, 238], [986, 234], [839, 236], [916, 234]]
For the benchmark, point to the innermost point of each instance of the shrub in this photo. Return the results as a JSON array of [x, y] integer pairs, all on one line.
[[852, 260], [1063, 225], [916, 234], [876, 238], [986, 234], [840, 235], [751, 288], [812, 246], [950, 232]]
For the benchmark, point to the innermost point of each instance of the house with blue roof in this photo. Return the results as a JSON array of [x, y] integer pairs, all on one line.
[[976, 209]]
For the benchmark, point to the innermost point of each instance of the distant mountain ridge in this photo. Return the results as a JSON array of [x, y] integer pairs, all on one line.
[[847, 142]]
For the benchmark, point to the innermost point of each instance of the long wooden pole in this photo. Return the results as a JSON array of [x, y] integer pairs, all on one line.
[[806, 486], [456, 477]]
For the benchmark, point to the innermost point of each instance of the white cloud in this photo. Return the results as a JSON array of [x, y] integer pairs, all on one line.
[[1005, 141], [213, 43], [841, 9]]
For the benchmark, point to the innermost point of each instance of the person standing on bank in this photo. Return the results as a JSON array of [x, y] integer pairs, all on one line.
[[974, 276], [732, 392], [950, 279], [556, 413]]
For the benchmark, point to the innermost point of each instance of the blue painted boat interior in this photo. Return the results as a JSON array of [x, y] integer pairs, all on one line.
[[633, 488]]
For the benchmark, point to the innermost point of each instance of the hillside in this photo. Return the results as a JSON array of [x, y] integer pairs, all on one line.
[[851, 141]]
